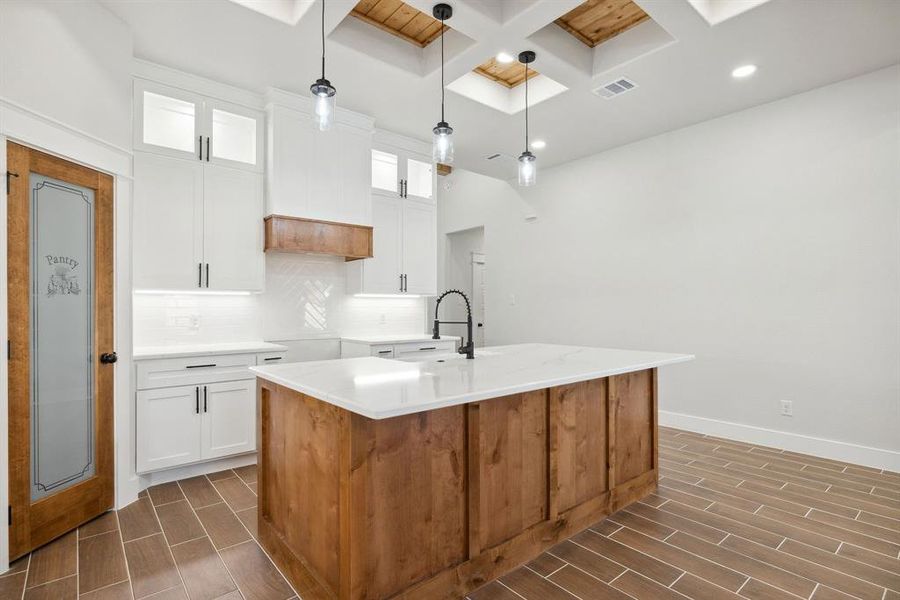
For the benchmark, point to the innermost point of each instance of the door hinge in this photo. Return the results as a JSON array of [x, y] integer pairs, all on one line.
[[8, 175]]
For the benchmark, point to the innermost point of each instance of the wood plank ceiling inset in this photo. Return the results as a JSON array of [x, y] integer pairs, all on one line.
[[509, 75], [596, 21], [399, 19]]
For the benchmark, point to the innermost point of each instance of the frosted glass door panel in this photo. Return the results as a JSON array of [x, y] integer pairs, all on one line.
[[419, 179], [384, 171], [61, 327], [233, 137], [169, 122]]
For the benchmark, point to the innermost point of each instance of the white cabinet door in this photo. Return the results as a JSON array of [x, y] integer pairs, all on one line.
[[381, 273], [419, 177], [232, 229], [168, 427], [356, 174], [288, 158], [420, 246], [167, 120], [235, 135], [168, 222], [229, 418]]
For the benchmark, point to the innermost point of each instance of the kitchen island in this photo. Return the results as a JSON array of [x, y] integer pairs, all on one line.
[[386, 479]]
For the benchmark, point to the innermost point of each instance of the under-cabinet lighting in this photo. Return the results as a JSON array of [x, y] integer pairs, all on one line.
[[387, 295], [193, 292], [743, 71]]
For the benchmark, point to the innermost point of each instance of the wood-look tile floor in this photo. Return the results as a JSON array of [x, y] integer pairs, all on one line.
[[192, 539], [730, 521]]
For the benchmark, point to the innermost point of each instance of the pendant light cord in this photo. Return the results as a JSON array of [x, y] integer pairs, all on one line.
[[526, 107], [323, 39], [442, 70]]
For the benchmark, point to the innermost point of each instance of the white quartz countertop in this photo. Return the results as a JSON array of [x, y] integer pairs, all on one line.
[[379, 388], [396, 339], [186, 350]]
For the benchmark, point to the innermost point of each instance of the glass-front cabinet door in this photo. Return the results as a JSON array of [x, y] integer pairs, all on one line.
[[178, 123], [167, 120], [419, 178]]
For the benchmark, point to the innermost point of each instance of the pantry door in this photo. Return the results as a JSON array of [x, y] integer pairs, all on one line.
[[60, 278]]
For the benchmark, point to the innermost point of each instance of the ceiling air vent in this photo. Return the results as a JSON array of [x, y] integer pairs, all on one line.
[[615, 88]]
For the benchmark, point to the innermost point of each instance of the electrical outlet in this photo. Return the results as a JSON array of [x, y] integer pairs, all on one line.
[[787, 408]]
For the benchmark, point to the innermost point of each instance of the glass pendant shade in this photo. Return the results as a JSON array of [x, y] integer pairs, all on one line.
[[323, 98], [442, 143], [527, 169]]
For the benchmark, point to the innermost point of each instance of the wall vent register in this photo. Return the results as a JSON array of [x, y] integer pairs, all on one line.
[[615, 88]]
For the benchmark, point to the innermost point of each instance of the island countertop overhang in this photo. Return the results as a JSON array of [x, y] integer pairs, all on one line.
[[379, 388]]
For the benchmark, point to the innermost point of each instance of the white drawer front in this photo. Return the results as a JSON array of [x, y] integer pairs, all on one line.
[[383, 351], [423, 348], [270, 358], [194, 370]]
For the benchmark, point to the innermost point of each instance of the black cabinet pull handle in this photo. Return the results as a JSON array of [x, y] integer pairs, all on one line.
[[199, 274], [207, 274], [401, 282], [199, 366], [274, 358], [385, 351], [200, 146], [207, 148], [197, 400], [204, 400], [429, 348]]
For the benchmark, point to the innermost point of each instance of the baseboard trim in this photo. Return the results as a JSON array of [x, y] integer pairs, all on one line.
[[877, 458], [192, 470]]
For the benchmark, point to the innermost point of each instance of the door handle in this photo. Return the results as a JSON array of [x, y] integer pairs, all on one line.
[[197, 399], [108, 358], [205, 409]]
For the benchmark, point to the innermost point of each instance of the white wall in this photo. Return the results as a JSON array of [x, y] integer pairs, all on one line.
[[766, 242], [69, 61]]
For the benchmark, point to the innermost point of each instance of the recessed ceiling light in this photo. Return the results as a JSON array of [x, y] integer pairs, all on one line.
[[538, 144], [505, 58], [743, 71]]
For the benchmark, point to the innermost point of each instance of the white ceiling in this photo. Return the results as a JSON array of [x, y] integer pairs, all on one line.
[[797, 44]]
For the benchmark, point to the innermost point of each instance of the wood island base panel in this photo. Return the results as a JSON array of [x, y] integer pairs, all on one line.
[[436, 504]]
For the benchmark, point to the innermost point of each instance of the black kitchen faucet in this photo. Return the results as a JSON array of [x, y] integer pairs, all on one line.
[[469, 348]]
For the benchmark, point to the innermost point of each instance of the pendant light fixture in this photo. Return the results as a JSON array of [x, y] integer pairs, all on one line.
[[442, 140], [527, 160], [323, 92]]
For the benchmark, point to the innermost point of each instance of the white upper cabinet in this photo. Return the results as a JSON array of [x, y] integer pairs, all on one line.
[[402, 167], [322, 175], [404, 244], [196, 226], [179, 123]]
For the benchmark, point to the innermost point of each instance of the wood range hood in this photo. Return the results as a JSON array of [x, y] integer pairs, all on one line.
[[312, 236]]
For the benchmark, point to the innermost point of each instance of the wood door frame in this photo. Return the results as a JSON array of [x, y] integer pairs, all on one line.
[[34, 524]]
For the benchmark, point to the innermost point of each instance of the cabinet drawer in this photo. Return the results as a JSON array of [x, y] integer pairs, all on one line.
[[382, 351], [423, 348], [196, 370], [270, 358]]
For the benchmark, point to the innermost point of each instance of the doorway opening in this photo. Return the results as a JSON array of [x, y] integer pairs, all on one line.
[[465, 270]]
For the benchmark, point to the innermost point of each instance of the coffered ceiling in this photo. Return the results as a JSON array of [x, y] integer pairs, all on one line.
[[595, 21], [399, 19], [509, 74], [680, 57]]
